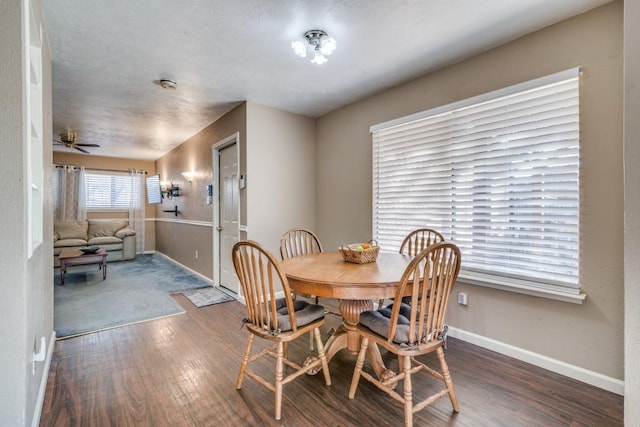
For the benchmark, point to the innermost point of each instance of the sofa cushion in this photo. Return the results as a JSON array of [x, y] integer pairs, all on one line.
[[71, 230], [101, 228], [124, 232], [104, 240], [67, 243], [110, 247]]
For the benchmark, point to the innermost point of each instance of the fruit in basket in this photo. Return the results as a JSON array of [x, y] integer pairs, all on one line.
[[358, 248], [366, 246]]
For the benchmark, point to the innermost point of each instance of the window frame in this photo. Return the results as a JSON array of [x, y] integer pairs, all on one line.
[[545, 288]]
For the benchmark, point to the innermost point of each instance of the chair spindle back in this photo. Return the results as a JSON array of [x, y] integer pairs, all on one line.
[[428, 281], [259, 274], [418, 240], [299, 241]]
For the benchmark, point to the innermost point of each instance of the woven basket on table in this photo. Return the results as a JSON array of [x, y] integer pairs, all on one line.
[[349, 254]]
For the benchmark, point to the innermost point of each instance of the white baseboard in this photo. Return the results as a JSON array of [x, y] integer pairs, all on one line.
[[590, 377], [43, 382], [202, 276]]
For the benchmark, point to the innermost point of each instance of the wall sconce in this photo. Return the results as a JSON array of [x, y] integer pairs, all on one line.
[[188, 175], [170, 190]]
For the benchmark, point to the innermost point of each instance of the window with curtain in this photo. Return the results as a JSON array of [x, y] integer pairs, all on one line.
[[498, 174], [121, 191]]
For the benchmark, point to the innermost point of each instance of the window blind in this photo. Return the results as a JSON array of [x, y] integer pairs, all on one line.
[[496, 174], [110, 190]]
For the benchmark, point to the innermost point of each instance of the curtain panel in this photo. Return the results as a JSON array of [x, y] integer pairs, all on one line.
[[69, 199]]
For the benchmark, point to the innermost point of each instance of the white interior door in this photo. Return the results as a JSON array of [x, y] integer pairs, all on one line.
[[229, 212]]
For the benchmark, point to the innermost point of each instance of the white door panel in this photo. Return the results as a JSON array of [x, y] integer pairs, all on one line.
[[228, 214]]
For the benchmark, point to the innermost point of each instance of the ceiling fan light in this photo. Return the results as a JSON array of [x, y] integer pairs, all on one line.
[[328, 46], [69, 137], [299, 48]]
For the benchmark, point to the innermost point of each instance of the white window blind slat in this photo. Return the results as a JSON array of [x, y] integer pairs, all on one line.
[[499, 176]]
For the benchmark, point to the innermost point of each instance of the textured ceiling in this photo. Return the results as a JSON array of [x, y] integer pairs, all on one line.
[[108, 58]]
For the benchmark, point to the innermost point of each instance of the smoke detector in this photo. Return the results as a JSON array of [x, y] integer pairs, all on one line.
[[168, 84]]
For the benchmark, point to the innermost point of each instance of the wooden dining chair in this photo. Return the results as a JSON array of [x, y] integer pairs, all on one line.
[[417, 241], [415, 329], [300, 241], [277, 320], [296, 242]]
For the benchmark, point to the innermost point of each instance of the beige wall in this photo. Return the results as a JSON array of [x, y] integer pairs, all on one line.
[[590, 335], [179, 237], [118, 164], [280, 174], [26, 305], [277, 156]]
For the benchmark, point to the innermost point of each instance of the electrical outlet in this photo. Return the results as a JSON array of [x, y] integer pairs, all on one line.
[[196, 254], [463, 298]]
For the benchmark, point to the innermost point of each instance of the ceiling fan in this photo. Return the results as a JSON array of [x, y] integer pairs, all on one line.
[[69, 140]]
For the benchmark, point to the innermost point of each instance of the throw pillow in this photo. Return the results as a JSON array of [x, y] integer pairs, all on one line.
[[103, 228], [71, 230]]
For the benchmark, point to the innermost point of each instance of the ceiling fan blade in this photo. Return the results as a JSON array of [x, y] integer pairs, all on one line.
[[87, 145], [80, 149]]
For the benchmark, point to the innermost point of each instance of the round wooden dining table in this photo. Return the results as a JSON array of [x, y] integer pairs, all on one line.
[[327, 275]]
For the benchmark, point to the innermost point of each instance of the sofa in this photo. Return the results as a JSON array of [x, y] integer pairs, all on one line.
[[114, 236]]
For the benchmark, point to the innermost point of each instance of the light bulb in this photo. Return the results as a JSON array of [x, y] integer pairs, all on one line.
[[300, 48], [319, 58], [328, 46]]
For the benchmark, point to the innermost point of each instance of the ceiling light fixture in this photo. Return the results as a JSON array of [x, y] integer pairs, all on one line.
[[320, 42], [168, 84]]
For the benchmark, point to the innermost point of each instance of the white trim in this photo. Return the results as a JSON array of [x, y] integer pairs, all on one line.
[[530, 84], [200, 275], [525, 287], [43, 382], [182, 221], [577, 373]]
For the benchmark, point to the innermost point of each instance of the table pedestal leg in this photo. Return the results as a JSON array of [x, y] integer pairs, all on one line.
[[337, 342], [346, 337], [350, 311]]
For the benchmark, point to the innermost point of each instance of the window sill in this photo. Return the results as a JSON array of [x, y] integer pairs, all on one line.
[[573, 296]]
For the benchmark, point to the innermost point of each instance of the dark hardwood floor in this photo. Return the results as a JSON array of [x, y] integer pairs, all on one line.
[[181, 371]]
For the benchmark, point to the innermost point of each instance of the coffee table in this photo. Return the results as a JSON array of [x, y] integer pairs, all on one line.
[[70, 257]]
